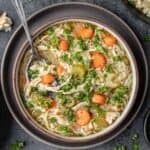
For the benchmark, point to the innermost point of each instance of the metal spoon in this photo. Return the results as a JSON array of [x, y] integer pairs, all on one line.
[[20, 11]]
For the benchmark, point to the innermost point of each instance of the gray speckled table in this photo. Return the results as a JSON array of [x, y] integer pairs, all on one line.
[[10, 131]]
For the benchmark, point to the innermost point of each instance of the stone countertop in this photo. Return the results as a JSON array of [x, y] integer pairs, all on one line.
[[10, 131]]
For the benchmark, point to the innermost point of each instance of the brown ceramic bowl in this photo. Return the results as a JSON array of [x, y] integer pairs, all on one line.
[[17, 48]]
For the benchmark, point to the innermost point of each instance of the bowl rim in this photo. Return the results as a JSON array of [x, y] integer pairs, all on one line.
[[99, 8]]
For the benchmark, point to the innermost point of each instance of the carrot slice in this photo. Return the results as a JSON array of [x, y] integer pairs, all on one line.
[[87, 33], [83, 117], [63, 45], [53, 104], [83, 32], [78, 30], [109, 40], [99, 99], [59, 70], [47, 79], [98, 60]]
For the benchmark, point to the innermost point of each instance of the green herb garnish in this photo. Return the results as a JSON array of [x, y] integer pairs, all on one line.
[[82, 96], [18, 145], [117, 58], [67, 87], [42, 93], [99, 110], [33, 73], [34, 89], [77, 57], [122, 147], [65, 130], [102, 90], [29, 104], [54, 41], [87, 86], [90, 74], [118, 96], [50, 31], [65, 58], [82, 44], [147, 39], [53, 120], [45, 103], [131, 2], [109, 69], [62, 99], [70, 115], [98, 46], [135, 146], [67, 31], [135, 137]]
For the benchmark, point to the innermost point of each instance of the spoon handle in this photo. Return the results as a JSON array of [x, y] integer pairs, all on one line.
[[20, 11]]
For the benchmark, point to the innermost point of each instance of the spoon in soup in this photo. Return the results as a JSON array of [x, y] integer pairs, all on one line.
[[35, 55]]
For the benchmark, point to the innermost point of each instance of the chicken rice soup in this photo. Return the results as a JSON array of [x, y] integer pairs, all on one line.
[[87, 84]]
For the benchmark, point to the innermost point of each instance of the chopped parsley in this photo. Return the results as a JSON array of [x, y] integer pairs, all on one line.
[[121, 147], [77, 57], [82, 44], [54, 41], [65, 130], [70, 115], [135, 146], [53, 120], [82, 96], [98, 110], [65, 58], [98, 46], [50, 31], [146, 39], [29, 104], [118, 96], [33, 73], [117, 58], [45, 103], [18, 145], [102, 89], [42, 93], [109, 69]]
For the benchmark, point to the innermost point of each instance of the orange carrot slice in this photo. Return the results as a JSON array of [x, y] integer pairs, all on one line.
[[83, 32], [83, 117], [53, 104], [48, 79], [99, 99], [98, 60], [63, 45], [109, 40]]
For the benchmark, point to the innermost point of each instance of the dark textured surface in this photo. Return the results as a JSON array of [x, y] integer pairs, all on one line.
[[11, 132]]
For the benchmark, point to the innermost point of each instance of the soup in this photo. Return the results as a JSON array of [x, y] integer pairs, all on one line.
[[86, 85]]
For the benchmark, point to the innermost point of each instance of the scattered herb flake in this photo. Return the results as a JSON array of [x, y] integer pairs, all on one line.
[[18, 145], [147, 39], [53, 120]]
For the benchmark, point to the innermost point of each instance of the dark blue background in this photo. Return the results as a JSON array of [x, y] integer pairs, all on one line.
[[10, 131]]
